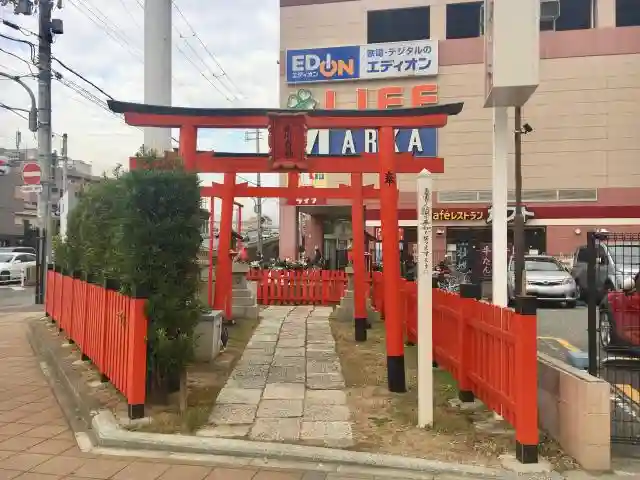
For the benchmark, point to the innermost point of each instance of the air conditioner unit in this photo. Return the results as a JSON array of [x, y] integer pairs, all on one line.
[[549, 10]]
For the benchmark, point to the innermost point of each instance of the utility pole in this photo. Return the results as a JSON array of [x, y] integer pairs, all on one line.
[[518, 224], [45, 39], [256, 135], [64, 159]]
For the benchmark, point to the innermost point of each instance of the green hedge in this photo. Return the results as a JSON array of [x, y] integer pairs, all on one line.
[[143, 229]]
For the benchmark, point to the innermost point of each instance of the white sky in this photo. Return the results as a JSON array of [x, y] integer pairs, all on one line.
[[103, 41]]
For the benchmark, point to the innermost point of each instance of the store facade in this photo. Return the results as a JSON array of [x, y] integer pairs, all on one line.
[[580, 163]]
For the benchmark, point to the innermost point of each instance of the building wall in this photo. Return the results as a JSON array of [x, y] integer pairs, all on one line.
[[583, 113], [10, 203]]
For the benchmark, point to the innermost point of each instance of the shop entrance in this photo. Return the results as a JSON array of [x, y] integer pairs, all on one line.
[[470, 248]]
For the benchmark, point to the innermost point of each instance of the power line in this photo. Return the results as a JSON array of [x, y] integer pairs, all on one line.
[[13, 110], [80, 76], [213, 57]]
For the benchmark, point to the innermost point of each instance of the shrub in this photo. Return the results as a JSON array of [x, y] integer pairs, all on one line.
[[143, 229]]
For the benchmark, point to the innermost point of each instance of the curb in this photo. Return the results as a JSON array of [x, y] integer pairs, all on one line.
[[103, 430], [109, 434]]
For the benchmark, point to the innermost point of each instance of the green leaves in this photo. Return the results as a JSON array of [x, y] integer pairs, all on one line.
[[143, 228]]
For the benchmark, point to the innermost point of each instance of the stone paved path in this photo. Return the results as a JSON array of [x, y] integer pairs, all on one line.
[[288, 385]]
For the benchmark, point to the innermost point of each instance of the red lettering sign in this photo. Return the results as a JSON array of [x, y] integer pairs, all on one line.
[[389, 97]]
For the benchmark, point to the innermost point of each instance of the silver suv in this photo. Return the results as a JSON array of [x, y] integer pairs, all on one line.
[[616, 262]]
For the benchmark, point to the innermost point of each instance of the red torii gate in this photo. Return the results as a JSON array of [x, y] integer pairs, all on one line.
[[288, 153], [356, 192]]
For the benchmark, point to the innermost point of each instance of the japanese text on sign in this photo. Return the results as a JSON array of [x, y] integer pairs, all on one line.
[[362, 62], [425, 219], [486, 258], [399, 59], [458, 215]]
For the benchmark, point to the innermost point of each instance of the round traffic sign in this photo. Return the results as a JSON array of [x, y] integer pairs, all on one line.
[[31, 174]]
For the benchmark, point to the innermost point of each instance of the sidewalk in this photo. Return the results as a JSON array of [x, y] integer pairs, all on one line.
[[36, 442]]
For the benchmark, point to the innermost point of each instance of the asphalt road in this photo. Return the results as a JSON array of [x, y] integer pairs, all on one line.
[[561, 330], [14, 298]]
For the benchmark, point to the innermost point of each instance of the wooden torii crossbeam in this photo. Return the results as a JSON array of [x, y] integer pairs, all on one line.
[[288, 154]]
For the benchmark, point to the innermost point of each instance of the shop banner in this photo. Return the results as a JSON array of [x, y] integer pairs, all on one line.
[[417, 58]]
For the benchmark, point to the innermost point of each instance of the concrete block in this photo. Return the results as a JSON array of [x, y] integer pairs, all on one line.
[[276, 429], [330, 434], [208, 333], [280, 408], [233, 414], [239, 396], [284, 391]]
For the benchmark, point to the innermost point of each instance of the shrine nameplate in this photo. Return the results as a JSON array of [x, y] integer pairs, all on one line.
[[288, 141]]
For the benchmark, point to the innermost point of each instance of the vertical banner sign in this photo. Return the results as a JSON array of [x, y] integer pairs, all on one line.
[[425, 300]]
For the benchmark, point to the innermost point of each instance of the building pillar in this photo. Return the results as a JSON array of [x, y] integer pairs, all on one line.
[[157, 67], [315, 235], [605, 14], [438, 22]]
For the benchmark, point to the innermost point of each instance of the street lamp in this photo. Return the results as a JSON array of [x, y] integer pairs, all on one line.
[[33, 112]]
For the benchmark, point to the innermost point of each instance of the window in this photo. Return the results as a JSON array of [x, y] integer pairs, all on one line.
[[463, 20], [398, 25], [574, 15], [627, 13]]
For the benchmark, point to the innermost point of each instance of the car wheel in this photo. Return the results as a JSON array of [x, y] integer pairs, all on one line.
[[5, 277], [606, 328], [571, 304]]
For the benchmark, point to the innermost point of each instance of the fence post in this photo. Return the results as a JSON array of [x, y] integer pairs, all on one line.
[[592, 305], [526, 359], [137, 353], [88, 280], [470, 291]]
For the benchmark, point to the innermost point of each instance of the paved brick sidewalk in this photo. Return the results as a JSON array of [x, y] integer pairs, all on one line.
[[36, 442]]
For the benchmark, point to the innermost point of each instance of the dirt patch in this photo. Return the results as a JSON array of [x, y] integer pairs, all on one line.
[[204, 382], [385, 422]]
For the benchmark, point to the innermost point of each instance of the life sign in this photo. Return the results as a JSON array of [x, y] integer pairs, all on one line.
[[422, 142], [323, 64]]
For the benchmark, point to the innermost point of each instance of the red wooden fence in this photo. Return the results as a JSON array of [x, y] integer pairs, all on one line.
[[109, 328], [489, 350], [299, 287]]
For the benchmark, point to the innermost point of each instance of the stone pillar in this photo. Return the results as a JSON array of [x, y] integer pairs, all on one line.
[[243, 299], [344, 312]]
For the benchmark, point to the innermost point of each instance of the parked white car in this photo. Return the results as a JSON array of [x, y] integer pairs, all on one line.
[[12, 264]]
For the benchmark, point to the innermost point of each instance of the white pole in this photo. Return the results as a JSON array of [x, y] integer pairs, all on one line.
[[425, 300], [499, 228], [157, 67], [499, 206]]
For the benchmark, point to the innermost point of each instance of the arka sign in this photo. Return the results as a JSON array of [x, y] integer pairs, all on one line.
[[422, 142]]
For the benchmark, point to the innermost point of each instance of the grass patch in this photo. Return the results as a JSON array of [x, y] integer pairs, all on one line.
[[386, 422]]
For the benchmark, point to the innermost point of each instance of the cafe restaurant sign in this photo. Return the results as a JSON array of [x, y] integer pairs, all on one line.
[[455, 215]]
